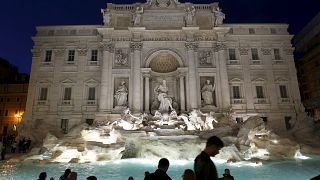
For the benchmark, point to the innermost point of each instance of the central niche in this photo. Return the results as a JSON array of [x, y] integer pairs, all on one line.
[[164, 63]]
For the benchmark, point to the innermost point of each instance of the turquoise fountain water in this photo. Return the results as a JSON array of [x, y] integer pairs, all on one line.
[[122, 169]]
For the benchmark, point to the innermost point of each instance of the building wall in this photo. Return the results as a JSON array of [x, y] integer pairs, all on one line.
[[308, 47], [138, 45]]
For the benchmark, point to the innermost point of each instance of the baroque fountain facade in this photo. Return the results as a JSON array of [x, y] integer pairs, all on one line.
[[162, 74]]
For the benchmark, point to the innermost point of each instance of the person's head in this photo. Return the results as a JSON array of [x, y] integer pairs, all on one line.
[[164, 82], [91, 178], [226, 172], [188, 175], [163, 164], [42, 176], [130, 178], [208, 81], [213, 146], [67, 172], [146, 173], [123, 82], [73, 176]]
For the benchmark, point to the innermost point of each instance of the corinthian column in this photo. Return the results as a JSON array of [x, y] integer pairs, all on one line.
[[191, 47], [220, 48], [105, 104], [147, 93], [136, 74]]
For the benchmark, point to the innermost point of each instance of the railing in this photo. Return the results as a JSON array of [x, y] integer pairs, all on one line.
[[284, 100], [256, 61], [66, 102], [94, 63], [45, 63], [237, 101], [91, 102], [234, 62], [261, 101], [278, 61], [42, 102]]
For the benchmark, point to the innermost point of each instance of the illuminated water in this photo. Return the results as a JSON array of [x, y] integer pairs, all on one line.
[[121, 170]]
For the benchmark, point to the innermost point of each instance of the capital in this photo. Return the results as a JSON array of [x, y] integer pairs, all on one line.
[[136, 46], [191, 46], [219, 46], [244, 51], [107, 46]]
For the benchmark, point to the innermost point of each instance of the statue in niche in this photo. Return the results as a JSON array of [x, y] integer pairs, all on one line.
[[207, 93], [220, 16], [190, 13], [106, 17], [162, 94], [137, 16], [205, 58], [121, 58], [121, 95]]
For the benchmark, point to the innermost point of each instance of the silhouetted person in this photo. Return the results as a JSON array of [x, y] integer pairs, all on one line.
[[42, 176], [91, 178], [188, 175], [65, 175], [227, 175], [316, 178], [146, 174], [204, 167], [130, 178], [161, 172], [73, 176]]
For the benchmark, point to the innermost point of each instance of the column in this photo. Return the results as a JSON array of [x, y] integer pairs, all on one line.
[[225, 93], [146, 93], [182, 95], [191, 47], [136, 74], [106, 66]]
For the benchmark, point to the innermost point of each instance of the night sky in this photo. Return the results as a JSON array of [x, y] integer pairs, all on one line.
[[19, 18]]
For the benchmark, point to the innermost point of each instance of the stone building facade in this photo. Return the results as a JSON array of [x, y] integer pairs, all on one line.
[[162, 53], [308, 45]]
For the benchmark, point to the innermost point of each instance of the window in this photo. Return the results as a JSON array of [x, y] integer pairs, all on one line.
[[276, 53], [48, 56], [6, 113], [8, 99], [71, 55], [43, 94], [1, 100], [232, 54], [92, 93], [236, 92], [259, 91], [252, 31], [64, 125], [67, 94], [18, 99], [94, 55], [283, 91], [273, 31], [254, 53]]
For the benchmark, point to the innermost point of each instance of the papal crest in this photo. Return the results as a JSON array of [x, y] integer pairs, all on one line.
[[163, 3]]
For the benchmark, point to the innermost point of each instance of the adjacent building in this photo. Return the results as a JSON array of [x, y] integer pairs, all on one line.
[[13, 97], [158, 56], [307, 44]]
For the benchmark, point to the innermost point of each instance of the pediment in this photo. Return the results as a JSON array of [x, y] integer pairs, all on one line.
[[235, 80], [281, 79], [44, 81], [67, 81], [91, 81], [259, 80]]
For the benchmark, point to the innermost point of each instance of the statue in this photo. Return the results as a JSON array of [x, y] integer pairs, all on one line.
[[220, 16], [190, 13], [162, 95], [137, 16], [207, 93], [121, 95], [106, 17]]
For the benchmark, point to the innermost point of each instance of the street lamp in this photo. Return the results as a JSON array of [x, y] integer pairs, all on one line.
[[18, 116]]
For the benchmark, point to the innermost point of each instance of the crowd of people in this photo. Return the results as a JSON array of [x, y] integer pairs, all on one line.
[[204, 168], [8, 144]]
